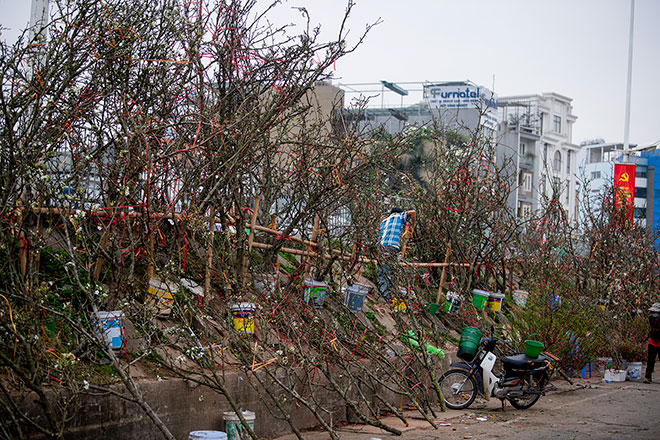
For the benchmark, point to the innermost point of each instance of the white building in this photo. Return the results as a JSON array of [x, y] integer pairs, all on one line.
[[596, 173], [535, 145]]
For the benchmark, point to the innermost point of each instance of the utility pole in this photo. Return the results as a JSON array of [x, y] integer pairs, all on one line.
[[626, 133]]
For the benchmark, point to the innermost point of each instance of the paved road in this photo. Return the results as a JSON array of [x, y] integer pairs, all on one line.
[[589, 410]]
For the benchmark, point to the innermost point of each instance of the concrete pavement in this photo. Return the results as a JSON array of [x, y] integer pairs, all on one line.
[[591, 409]]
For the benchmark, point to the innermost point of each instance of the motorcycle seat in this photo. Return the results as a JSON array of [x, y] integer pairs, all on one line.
[[523, 362]]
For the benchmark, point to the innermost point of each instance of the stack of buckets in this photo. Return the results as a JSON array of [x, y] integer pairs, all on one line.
[[469, 343], [243, 317], [233, 426], [354, 297], [315, 293], [479, 298]]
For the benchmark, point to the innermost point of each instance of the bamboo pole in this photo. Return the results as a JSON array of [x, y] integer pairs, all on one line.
[[443, 274], [253, 223]]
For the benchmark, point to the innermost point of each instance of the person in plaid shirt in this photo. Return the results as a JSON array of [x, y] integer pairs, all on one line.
[[389, 239]]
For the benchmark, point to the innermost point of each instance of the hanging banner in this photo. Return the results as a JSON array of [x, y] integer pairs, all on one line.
[[624, 187]]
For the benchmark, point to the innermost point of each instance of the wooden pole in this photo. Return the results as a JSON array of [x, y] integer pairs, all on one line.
[[99, 260], [209, 257], [443, 274], [310, 257], [253, 222]]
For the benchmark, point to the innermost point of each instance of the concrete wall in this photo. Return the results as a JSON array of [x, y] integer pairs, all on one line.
[[185, 407]]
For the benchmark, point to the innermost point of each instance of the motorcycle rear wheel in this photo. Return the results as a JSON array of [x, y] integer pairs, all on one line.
[[526, 401], [458, 388]]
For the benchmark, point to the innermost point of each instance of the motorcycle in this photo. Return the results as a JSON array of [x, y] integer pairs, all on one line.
[[522, 382]]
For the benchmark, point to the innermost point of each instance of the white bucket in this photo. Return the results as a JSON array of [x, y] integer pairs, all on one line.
[[113, 327], [354, 297], [615, 376], [520, 297], [315, 293], [207, 435], [634, 370], [234, 427]]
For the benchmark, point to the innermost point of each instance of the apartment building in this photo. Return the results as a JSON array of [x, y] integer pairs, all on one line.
[[535, 145]]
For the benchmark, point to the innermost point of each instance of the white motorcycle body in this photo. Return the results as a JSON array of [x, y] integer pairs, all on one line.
[[489, 378]]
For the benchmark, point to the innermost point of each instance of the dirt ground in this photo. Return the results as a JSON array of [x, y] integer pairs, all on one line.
[[589, 409]]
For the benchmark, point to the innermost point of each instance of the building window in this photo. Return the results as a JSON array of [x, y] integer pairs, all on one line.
[[639, 213], [640, 172], [640, 192], [527, 182], [556, 163], [568, 162], [556, 123], [595, 175], [522, 149], [524, 210]]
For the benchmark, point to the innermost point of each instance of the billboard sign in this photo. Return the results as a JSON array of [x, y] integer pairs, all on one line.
[[457, 96]]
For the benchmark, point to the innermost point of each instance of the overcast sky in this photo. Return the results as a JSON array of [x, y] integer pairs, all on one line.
[[577, 48]]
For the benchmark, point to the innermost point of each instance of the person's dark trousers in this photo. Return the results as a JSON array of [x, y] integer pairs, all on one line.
[[650, 362], [387, 271]]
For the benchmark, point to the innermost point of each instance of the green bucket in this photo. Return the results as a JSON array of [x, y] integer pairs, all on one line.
[[469, 343], [533, 348], [479, 298], [432, 308]]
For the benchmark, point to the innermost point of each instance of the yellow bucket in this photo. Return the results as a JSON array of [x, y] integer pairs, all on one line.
[[243, 317], [495, 302]]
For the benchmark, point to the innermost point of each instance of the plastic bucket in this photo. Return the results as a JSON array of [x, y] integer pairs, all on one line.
[[520, 298], [634, 371], [161, 296], [615, 375], [432, 308], [495, 301], [243, 317], [533, 348], [207, 435], [233, 426], [113, 327], [453, 302], [315, 293], [354, 297], [479, 298], [469, 343]]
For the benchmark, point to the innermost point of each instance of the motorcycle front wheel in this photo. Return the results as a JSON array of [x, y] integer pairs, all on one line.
[[458, 388]]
